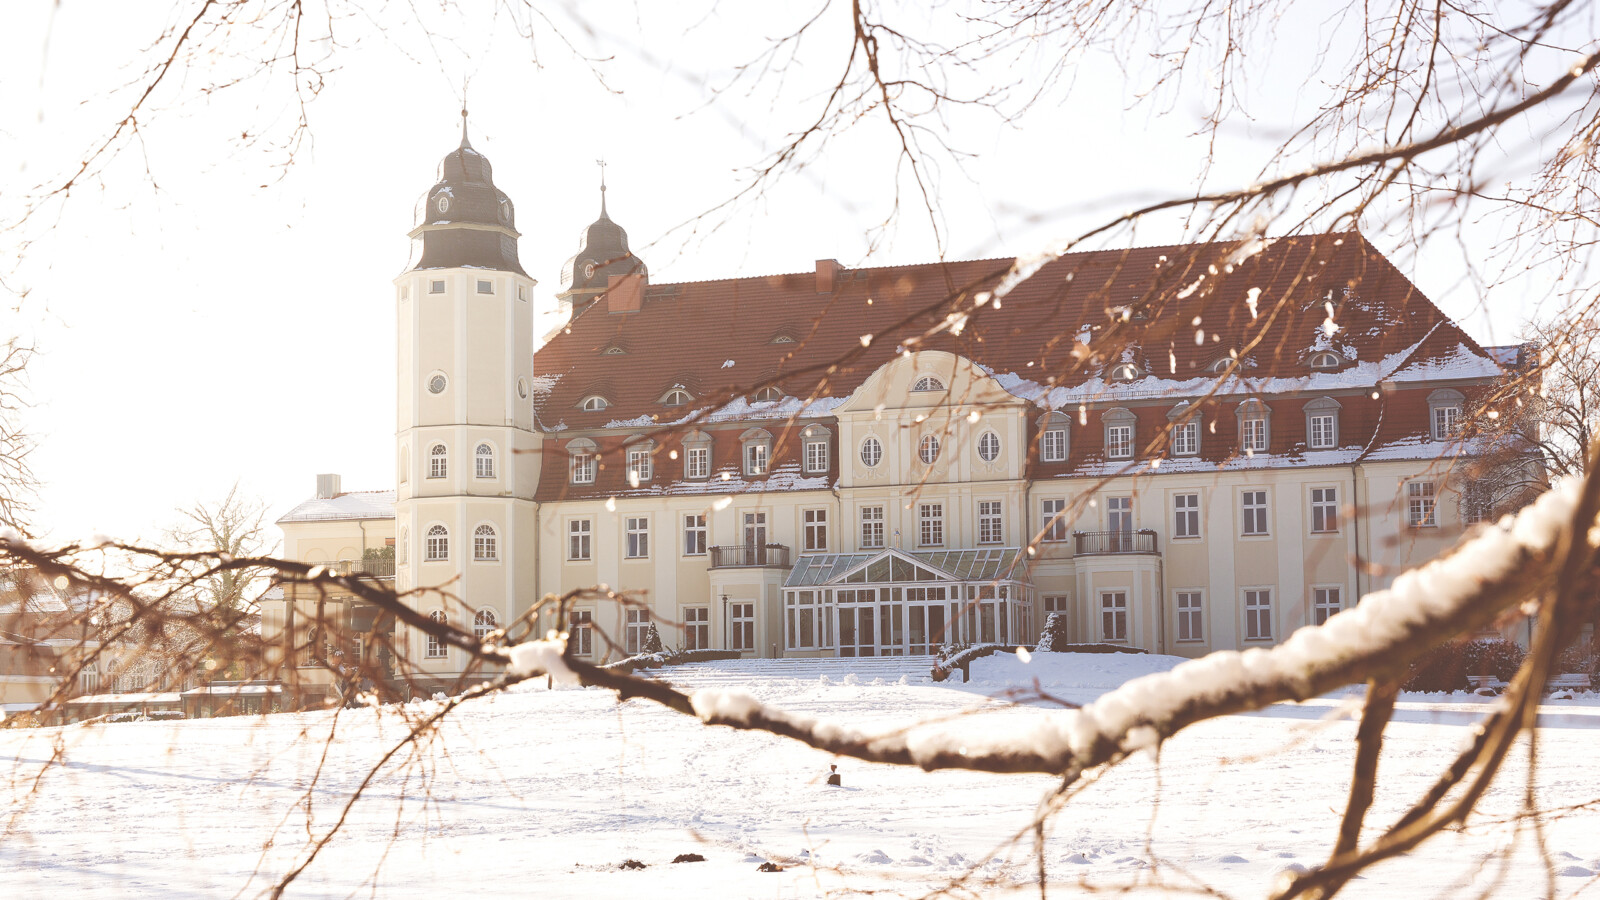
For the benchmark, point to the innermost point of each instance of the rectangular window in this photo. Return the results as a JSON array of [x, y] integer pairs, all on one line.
[[803, 610], [816, 457], [1324, 510], [638, 628], [991, 527], [1053, 445], [435, 648], [697, 628], [1420, 512], [580, 634], [436, 287], [1119, 515], [522, 292], [1186, 439], [755, 458], [742, 625], [1446, 422], [1114, 616], [1191, 617], [1253, 509], [1054, 525], [638, 537], [1477, 503], [1258, 615], [871, 527], [1255, 435], [931, 519], [582, 468], [485, 287], [1186, 515], [816, 529], [1322, 437], [578, 535], [694, 535], [1325, 603], [1055, 603], [638, 466], [1119, 441], [697, 462]]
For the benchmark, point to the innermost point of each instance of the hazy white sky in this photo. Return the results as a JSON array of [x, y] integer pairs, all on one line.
[[206, 313]]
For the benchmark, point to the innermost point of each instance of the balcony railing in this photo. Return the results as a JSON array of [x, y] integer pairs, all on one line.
[[378, 568], [750, 556], [1103, 543]]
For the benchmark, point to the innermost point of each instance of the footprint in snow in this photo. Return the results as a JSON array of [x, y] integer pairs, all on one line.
[[1292, 869], [916, 861], [1076, 859], [876, 857], [1575, 872], [1232, 858]]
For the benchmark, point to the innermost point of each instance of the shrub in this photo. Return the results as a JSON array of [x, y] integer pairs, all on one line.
[[1055, 632], [1579, 659], [1447, 666], [652, 641]]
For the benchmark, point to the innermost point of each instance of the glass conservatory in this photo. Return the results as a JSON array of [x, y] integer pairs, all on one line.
[[897, 603]]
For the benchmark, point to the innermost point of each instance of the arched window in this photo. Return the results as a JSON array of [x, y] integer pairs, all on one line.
[[768, 394], [436, 646], [594, 403], [1125, 372], [483, 623], [988, 446], [928, 449], [438, 544], [1324, 361], [438, 461], [676, 397], [485, 461], [928, 383], [485, 544], [871, 452], [1221, 365]]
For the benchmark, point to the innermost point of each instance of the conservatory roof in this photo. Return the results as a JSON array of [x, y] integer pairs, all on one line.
[[884, 566]]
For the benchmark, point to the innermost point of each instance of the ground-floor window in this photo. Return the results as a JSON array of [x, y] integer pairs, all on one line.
[[697, 628], [435, 646], [1325, 603], [806, 624], [1191, 621], [1258, 615], [742, 625], [580, 633], [638, 627], [1114, 616]]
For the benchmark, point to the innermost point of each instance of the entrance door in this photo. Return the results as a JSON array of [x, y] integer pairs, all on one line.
[[1119, 521], [857, 615], [925, 611], [755, 538]]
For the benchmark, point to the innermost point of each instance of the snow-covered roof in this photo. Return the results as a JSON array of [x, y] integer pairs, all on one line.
[[350, 505]]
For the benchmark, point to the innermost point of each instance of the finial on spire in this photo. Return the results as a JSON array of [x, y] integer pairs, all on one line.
[[601, 162], [464, 142]]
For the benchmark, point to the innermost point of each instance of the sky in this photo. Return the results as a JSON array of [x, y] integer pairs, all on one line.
[[214, 308]]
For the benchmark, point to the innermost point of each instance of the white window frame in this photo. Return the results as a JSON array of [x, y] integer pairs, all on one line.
[[485, 544], [1119, 441], [1186, 439], [742, 626], [1053, 445], [755, 451], [928, 449], [637, 537], [1327, 600], [814, 529], [872, 527], [484, 623], [580, 540], [697, 462], [871, 452], [930, 525], [1322, 431], [697, 628], [695, 534], [595, 403], [1055, 603], [1255, 426], [433, 647], [1258, 613], [1254, 520], [583, 468], [1052, 521], [636, 629], [1114, 616], [438, 460], [1422, 504], [1445, 407], [927, 383], [1191, 616], [437, 544], [483, 460], [816, 456], [991, 522], [580, 632], [1186, 516], [1324, 510], [989, 446], [485, 286], [640, 469]]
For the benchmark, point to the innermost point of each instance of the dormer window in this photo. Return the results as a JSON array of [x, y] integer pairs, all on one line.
[[1324, 361], [814, 445], [1184, 432], [595, 403], [676, 397], [1053, 431], [582, 466], [1221, 365], [1444, 412], [928, 383], [1254, 426], [1322, 423], [783, 339], [639, 468], [1125, 372], [757, 450], [768, 394], [613, 350], [1119, 424]]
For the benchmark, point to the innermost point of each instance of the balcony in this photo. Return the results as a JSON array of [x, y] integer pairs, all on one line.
[[1108, 543], [377, 568], [750, 556]]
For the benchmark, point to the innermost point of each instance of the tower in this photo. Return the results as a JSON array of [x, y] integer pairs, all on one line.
[[467, 453], [602, 252]]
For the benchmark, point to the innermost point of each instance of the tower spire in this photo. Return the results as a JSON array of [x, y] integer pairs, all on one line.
[[464, 141], [601, 162]]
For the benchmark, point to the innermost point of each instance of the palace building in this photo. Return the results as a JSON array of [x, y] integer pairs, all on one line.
[[1180, 448]]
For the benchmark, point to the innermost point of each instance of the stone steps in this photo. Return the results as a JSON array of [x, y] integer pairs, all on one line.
[[735, 672]]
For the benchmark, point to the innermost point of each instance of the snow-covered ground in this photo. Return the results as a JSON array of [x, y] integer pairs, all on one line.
[[540, 793]]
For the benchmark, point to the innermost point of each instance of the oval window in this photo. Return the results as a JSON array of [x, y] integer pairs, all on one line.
[[522, 388], [436, 384], [871, 452], [443, 204], [928, 449], [989, 446]]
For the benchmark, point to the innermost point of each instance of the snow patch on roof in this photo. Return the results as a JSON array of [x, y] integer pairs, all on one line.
[[352, 505]]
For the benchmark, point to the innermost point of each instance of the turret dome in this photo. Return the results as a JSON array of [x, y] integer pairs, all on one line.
[[602, 252], [465, 196]]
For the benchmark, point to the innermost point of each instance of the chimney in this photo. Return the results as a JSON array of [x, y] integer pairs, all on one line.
[[625, 293], [327, 487], [828, 271]]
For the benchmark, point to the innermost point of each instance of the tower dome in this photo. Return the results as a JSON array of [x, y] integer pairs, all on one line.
[[464, 220], [602, 252]]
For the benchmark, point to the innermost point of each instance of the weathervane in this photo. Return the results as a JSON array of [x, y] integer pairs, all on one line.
[[601, 162]]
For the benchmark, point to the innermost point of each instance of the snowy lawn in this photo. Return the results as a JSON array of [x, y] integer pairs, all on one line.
[[540, 793]]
